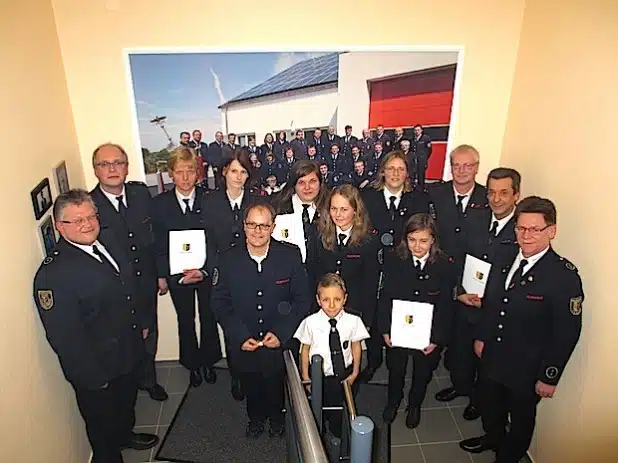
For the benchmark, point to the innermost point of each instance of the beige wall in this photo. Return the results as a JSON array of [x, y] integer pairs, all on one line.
[[93, 36], [39, 419], [561, 134]]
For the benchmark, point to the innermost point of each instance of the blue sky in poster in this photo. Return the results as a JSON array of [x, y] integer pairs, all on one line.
[[188, 87]]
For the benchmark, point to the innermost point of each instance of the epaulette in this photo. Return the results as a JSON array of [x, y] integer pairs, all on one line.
[[288, 244], [137, 182], [49, 259], [478, 206], [568, 264]]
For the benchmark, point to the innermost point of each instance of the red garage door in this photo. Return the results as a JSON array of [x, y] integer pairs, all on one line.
[[423, 97]]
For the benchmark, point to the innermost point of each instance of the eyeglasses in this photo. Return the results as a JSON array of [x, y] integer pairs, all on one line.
[[531, 230], [392, 170], [81, 221], [107, 164], [260, 226], [464, 166]]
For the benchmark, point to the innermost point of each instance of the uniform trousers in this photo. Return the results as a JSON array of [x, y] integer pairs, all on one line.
[[374, 345], [147, 373], [422, 369], [265, 395], [208, 351], [333, 396], [109, 415], [463, 361], [498, 401]]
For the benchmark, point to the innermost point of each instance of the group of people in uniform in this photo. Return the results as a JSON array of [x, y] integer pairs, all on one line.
[[315, 270]]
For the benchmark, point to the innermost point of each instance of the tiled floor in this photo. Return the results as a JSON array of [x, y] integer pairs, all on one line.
[[435, 440]]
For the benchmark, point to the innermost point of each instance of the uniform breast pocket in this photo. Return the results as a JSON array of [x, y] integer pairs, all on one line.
[[282, 285]]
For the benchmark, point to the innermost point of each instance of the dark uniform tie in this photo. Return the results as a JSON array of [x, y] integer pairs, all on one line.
[[236, 211], [306, 221], [104, 259], [336, 354], [187, 206], [391, 207], [460, 199], [494, 229], [122, 210], [341, 243], [518, 273], [417, 265]]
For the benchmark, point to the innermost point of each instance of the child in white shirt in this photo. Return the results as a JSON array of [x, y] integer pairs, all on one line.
[[332, 326]]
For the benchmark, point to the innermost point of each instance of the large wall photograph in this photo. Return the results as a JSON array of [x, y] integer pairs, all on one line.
[[252, 95]]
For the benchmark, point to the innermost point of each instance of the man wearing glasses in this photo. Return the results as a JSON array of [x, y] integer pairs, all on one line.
[[460, 207], [260, 295], [530, 327], [125, 213], [87, 299]]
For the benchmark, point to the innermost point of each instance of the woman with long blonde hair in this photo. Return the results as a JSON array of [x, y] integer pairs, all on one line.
[[347, 246]]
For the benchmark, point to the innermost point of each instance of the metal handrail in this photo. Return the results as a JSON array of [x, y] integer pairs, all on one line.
[[349, 400], [310, 443]]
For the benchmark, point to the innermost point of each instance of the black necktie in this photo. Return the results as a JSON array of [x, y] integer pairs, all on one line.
[[104, 259], [494, 229], [122, 210], [336, 353], [342, 237], [236, 211], [518, 273], [391, 207], [306, 220], [417, 265], [187, 208], [460, 199]]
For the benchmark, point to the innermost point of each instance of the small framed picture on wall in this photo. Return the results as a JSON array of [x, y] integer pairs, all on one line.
[[41, 198], [48, 235], [62, 178]]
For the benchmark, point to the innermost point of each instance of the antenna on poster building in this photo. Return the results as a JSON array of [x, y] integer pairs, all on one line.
[[160, 121]]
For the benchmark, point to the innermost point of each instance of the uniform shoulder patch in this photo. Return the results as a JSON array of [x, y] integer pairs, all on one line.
[[48, 260], [215, 276], [568, 264], [575, 305], [46, 298]]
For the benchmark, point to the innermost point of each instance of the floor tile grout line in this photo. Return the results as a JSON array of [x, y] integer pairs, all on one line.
[[420, 447], [458, 428], [427, 443]]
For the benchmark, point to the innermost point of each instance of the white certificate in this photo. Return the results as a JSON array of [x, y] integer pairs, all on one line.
[[475, 275], [289, 228], [187, 250], [411, 324]]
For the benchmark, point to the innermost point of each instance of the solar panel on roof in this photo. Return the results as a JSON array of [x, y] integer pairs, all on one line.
[[321, 70]]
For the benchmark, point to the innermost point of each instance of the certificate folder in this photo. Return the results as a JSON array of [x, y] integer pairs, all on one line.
[[411, 324], [187, 250]]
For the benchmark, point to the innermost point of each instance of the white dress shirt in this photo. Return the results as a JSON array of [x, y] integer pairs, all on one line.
[[180, 197], [112, 197], [347, 234], [501, 222], [422, 260], [259, 259], [387, 197], [88, 249], [237, 201], [531, 261], [465, 200], [314, 331]]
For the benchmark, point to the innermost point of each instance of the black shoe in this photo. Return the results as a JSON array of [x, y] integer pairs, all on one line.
[[255, 428], [390, 413], [210, 375], [366, 375], [471, 413], [141, 441], [448, 394], [476, 445], [413, 418], [237, 391], [195, 378], [157, 393], [277, 428]]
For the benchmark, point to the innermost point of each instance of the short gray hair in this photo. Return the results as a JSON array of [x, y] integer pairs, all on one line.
[[76, 197]]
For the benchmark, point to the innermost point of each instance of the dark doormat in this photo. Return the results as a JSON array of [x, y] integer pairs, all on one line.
[[209, 427], [370, 401]]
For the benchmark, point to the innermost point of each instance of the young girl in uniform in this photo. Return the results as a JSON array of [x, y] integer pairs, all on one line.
[[418, 272]]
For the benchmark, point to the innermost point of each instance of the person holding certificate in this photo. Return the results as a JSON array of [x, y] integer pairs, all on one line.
[[180, 238], [223, 214], [389, 204], [415, 313], [347, 246]]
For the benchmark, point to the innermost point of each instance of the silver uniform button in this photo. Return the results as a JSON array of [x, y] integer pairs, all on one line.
[[505, 300], [136, 260], [128, 298], [130, 234], [338, 262], [499, 339], [500, 327], [133, 248], [416, 293], [259, 307], [138, 273], [133, 312], [261, 334], [237, 235], [457, 230], [502, 313], [259, 293], [260, 321], [134, 326]]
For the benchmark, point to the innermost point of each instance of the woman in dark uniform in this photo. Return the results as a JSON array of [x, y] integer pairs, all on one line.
[[223, 215], [390, 203], [181, 209], [347, 246], [416, 271]]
